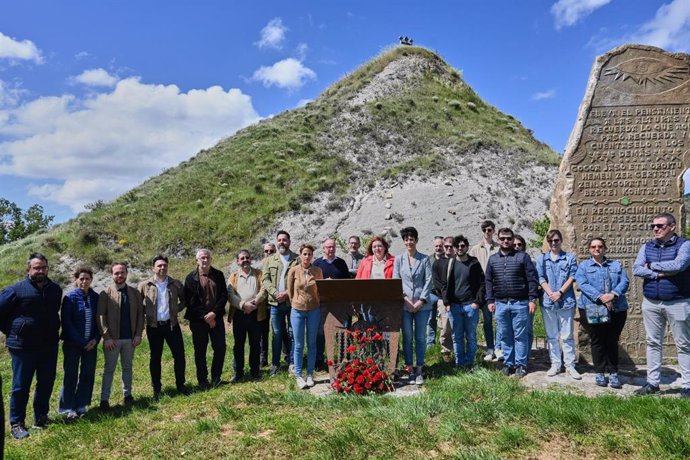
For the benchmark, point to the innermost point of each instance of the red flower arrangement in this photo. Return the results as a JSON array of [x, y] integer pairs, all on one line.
[[362, 372]]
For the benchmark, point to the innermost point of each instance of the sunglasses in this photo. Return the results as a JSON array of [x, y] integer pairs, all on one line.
[[462, 245], [659, 226], [554, 241], [488, 230], [505, 238], [518, 245], [269, 251]]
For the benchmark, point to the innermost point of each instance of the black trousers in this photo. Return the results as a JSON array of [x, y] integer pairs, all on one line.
[[201, 333], [265, 329], [244, 326], [173, 337], [604, 338]]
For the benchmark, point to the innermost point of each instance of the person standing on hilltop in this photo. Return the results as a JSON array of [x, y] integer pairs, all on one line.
[[274, 280], [482, 251], [206, 294], [121, 324], [163, 299], [30, 320], [335, 268], [247, 310], [353, 257], [664, 265], [511, 292]]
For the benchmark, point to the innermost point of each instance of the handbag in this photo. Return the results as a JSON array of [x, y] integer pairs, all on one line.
[[597, 314]]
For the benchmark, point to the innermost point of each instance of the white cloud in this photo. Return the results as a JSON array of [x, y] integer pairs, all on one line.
[[568, 12], [289, 73], [10, 95], [273, 34], [95, 77], [301, 51], [541, 95], [14, 49], [670, 28], [81, 55], [104, 144], [303, 102]]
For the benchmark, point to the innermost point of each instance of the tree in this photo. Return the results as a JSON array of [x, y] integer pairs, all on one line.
[[16, 224]]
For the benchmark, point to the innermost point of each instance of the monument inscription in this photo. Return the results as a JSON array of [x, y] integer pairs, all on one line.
[[624, 163]]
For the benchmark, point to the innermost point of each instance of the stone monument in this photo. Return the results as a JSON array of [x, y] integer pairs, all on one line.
[[624, 163]]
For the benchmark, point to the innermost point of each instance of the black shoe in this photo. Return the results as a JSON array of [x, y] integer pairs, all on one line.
[[237, 378], [41, 422], [647, 389], [19, 431], [183, 391], [71, 416], [105, 405], [215, 383], [203, 386], [264, 362], [521, 372], [156, 395], [129, 399], [505, 370], [274, 371]]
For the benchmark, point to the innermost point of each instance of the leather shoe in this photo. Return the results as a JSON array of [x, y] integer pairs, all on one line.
[[19, 431]]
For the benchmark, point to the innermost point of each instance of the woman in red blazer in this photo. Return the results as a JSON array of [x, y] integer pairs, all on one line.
[[378, 264]]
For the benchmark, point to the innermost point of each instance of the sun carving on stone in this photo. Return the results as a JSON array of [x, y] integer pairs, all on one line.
[[644, 71]]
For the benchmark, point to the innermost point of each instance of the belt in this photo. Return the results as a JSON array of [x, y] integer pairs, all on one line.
[[163, 323]]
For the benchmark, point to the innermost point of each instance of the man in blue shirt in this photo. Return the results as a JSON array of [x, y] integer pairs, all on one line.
[[29, 317], [663, 264]]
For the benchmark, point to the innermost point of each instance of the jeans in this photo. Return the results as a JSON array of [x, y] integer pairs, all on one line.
[[243, 326], [173, 336], [414, 325], [433, 320], [26, 363], [489, 327], [559, 322], [463, 320], [125, 350], [201, 333], [301, 321], [656, 314], [514, 318], [77, 385], [280, 322], [446, 330], [604, 338]]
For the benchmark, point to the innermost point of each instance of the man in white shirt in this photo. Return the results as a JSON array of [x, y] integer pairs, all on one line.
[[482, 251]]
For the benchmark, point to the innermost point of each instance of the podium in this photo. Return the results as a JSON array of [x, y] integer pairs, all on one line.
[[379, 301]]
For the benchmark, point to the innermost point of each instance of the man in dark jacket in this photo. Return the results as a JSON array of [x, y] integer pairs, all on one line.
[[461, 285], [511, 291], [206, 295], [29, 317]]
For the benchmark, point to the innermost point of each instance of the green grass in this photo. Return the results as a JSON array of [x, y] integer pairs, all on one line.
[[460, 415]]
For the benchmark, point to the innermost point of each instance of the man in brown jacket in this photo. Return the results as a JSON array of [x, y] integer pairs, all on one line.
[[163, 299], [121, 322], [247, 309]]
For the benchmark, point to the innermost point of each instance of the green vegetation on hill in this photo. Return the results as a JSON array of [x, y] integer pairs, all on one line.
[[229, 196]]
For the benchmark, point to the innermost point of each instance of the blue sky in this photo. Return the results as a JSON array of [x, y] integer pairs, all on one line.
[[96, 96]]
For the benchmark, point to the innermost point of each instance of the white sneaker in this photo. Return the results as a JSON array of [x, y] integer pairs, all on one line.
[[573, 373], [499, 354], [489, 355], [419, 380], [554, 370], [301, 384], [310, 381]]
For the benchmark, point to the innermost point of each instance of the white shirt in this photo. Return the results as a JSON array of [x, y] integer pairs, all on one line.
[[162, 307], [281, 282]]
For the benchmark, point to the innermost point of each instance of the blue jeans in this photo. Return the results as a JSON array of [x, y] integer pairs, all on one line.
[[433, 320], [414, 325], [514, 318], [463, 321], [301, 321], [77, 385], [488, 326], [26, 363], [280, 322]]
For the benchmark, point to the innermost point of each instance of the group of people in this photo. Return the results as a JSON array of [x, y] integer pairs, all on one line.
[[448, 289]]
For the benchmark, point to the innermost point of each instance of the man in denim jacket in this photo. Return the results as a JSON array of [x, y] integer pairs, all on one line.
[[556, 270]]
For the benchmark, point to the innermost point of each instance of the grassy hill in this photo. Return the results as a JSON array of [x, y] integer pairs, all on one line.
[[233, 194]]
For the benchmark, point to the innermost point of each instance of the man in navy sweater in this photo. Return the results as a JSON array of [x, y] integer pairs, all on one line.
[[29, 317], [664, 265]]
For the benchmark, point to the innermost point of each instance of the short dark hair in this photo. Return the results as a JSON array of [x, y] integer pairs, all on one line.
[[409, 231], [83, 269], [551, 233], [666, 215], [596, 238], [487, 224], [114, 264], [159, 257], [506, 230], [355, 237], [283, 232], [306, 246], [522, 240], [36, 255], [460, 239]]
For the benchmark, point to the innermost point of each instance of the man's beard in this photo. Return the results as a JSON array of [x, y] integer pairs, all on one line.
[[282, 249], [246, 263], [38, 278]]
